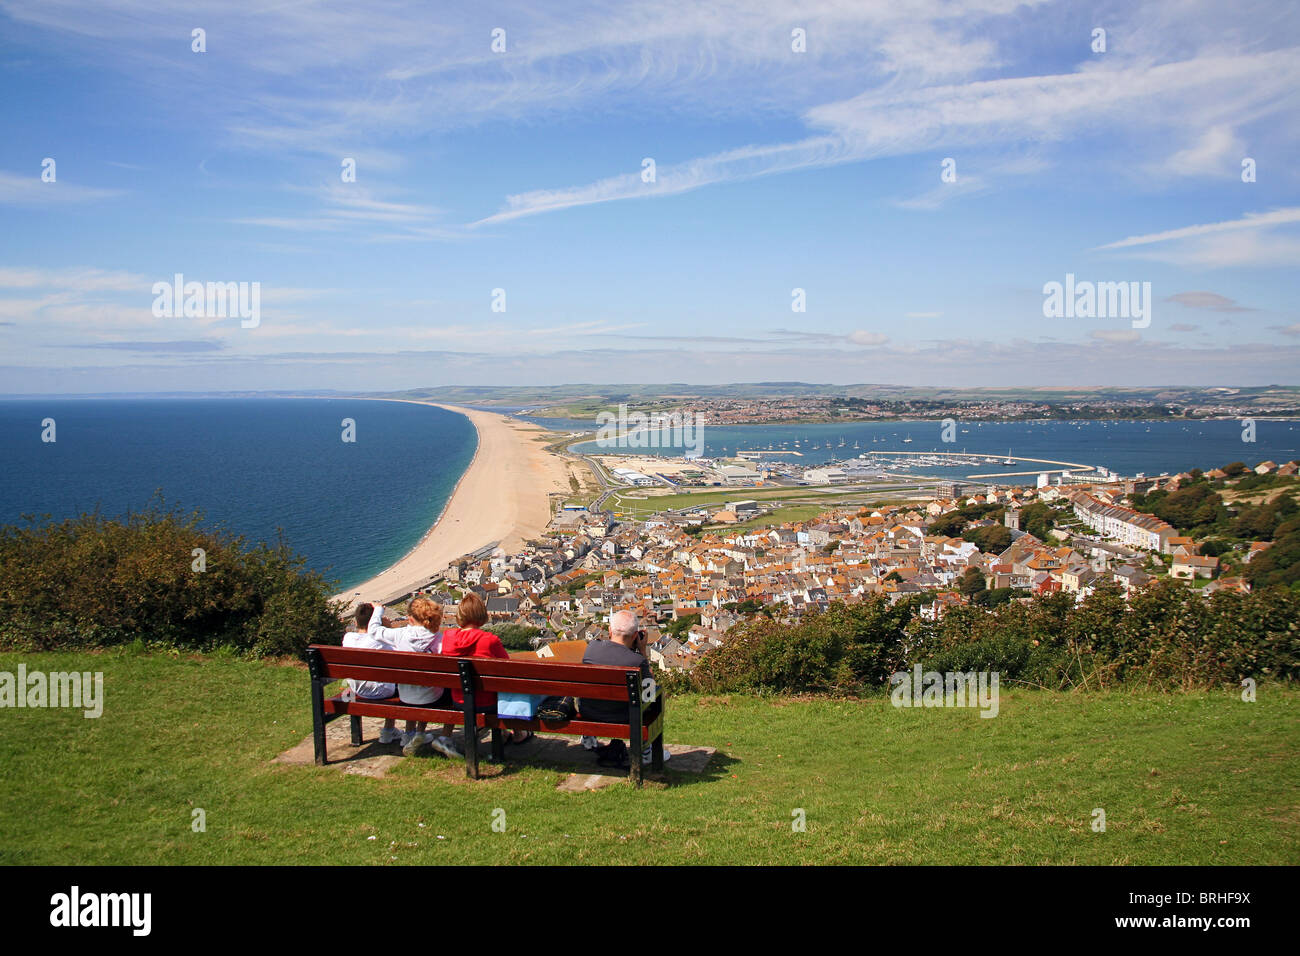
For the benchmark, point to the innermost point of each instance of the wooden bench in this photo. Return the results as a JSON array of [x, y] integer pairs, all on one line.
[[474, 677]]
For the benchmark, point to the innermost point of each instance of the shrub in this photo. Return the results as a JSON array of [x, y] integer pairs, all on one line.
[[845, 649], [1167, 634], [991, 539], [515, 637], [1280, 564], [93, 581]]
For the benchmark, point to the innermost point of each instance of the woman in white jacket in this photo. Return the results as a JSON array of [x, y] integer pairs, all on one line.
[[421, 636]]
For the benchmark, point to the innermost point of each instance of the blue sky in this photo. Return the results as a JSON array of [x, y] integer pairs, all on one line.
[[522, 170]]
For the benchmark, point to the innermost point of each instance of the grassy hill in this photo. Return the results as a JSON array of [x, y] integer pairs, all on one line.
[[1184, 778]]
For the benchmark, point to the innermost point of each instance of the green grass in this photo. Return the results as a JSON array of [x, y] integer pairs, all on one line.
[[714, 499], [778, 516], [1184, 778]]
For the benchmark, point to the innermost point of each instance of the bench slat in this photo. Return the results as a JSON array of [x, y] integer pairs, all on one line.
[[540, 670], [493, 685], [404, 660], [502, 685], [391, 675], [400, 711]]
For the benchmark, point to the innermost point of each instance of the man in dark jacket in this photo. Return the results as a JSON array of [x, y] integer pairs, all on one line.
[[625, 648]]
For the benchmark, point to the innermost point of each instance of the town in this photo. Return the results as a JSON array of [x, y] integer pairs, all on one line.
[[693, 573]]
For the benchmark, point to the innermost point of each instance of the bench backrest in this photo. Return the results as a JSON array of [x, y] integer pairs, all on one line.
[[487, 674]]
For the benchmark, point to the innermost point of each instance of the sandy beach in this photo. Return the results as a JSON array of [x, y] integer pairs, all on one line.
[[503, 497]]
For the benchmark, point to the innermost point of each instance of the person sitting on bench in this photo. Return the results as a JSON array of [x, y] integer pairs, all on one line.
[[369, 689], [470, 640], [420, 635], [625, 648]]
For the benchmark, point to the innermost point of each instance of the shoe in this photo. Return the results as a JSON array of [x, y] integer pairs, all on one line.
[[590, 743], [613, 754], [647, 756], [414, 744], [445, 746], [389, 735]]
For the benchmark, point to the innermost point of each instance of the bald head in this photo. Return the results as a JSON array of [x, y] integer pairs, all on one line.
[[624, 628]]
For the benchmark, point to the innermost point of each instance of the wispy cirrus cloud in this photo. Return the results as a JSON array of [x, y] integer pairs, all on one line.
[[72, 280], [351, 207], [863, 337], [876, 80], [736, 164], [348, 72], [179, 346], [1254, 239], [1200, 92], [1251, 220], [31, 190]]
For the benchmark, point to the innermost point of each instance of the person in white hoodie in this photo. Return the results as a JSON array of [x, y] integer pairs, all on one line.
[[422, 636], [370, 689]]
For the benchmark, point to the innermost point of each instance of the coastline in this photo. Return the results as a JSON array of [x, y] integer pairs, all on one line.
[[503, 498]]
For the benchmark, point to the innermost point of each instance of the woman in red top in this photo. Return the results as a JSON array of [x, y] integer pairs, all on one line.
[[470, 640]]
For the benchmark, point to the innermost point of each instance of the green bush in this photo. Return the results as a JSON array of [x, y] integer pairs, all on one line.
[[991, 539], [93, 581], [1279, 564], [515, 637], [1038, 519], [844, 649], [1167, 635]]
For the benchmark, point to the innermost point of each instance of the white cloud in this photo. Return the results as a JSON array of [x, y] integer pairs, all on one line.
[[1208, 300], [30, 189], [72, 280], [877, 80], [1252, 240], [863, 337], [944, 192], [1216, 151], [1128, 101], [1115, 335], [1251, 220], [736, 164]]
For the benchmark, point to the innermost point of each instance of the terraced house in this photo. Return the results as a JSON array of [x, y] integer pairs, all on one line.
[[1133, 528]]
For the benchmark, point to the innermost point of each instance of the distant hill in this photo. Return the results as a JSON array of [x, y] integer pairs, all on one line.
[[1260, 396]]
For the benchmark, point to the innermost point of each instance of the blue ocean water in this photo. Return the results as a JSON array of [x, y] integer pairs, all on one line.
[[1126, 447], [251, 465], [554, 424]]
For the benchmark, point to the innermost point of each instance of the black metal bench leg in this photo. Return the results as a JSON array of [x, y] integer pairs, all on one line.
[[657, 745], [318, 721], [356, 730], [635, 743], [471, 750], [498, 746], [471, 720]]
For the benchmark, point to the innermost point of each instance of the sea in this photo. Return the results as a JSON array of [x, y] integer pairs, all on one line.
[[1126, 448], [265, 467], [257, 467]]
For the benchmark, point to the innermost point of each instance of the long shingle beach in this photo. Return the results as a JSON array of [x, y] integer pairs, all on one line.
[[504, 496]]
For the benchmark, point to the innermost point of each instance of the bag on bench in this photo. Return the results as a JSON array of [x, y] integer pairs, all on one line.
[[558, 708], [518, 706]]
